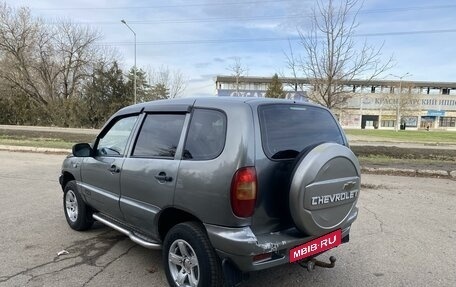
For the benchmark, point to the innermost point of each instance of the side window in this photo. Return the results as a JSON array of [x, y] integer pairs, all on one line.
[[159, 135], [114, 142], [206, 135]]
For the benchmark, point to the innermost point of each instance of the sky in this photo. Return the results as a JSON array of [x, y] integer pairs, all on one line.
[[201, 38]]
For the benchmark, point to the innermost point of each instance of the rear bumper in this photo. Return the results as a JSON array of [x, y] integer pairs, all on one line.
[[240, 245]]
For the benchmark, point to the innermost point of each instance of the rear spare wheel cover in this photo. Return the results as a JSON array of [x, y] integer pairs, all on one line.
[[324, 188]]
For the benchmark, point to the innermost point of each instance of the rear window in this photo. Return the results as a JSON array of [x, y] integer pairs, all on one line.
[[286, 130], [206, 135]]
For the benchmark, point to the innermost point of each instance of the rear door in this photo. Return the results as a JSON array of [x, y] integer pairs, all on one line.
[[101, 173], [149, 175], [286, 130]]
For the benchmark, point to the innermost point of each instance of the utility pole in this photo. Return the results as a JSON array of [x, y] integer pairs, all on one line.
[[398, 112], [134, 68]]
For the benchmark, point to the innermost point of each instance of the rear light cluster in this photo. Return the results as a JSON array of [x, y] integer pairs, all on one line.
[[244, 192]]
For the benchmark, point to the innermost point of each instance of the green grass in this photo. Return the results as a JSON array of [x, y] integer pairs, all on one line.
[[403, 136], [42, 138], [35, 142]]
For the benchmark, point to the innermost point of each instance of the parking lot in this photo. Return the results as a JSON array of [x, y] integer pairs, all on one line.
[[405, 235]]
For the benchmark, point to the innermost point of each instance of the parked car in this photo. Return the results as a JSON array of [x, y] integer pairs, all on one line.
[[224, 186]]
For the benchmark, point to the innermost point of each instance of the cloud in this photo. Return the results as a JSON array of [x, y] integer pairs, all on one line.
[[202, 78], [202, 65]]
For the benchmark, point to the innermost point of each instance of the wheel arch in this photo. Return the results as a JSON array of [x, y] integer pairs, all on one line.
[[171, 216], [66, 177]]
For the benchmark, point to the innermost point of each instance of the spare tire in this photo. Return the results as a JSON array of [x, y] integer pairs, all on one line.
[[324, 188]]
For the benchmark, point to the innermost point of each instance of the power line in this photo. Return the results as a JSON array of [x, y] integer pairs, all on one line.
[[186, 21], [366, 11], [163, 6], [268, 39], [410, 8], [254, 18]]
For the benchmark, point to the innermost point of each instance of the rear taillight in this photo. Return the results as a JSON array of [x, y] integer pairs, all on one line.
[[244, 192]]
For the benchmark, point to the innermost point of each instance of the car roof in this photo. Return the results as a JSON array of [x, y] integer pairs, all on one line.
[[185, 104]]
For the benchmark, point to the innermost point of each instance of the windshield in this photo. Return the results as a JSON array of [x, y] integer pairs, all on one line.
[[286, 130]]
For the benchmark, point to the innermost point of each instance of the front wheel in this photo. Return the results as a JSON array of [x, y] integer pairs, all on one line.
[[77, 213], [189, 258]]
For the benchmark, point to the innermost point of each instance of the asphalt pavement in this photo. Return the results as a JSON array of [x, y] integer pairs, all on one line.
[[405, 235]]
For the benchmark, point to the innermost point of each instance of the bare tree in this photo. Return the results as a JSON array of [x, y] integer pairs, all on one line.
[[293, 66], [238, 70], [76, 52], [46, 62], [171, 81], [331, 56], [19, 37]]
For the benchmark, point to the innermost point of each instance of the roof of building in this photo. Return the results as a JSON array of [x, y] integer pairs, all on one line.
[[355, 82]]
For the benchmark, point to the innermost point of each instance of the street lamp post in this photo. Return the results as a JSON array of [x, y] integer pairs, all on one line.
[[398, 112], [134, 72]]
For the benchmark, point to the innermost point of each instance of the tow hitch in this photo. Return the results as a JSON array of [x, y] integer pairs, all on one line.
[[310, 264]]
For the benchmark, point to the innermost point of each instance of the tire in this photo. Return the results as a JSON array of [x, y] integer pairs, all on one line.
[[188, 255], [77, 213]]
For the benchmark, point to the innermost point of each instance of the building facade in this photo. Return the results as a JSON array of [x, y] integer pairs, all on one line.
[[372, 104]]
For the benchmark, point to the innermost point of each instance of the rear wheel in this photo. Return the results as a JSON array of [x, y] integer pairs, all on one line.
[[189, 258], [77, 213]]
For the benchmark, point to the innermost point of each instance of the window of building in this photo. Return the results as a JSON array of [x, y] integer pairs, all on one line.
[[446, 91], [373, 89], [410, 121], [365, 89], [388, 123], [159, 135], [206, 135], [447, 122]]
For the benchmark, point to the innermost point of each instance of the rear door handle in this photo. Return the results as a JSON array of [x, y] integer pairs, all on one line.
[[114, 169], [161, 177]]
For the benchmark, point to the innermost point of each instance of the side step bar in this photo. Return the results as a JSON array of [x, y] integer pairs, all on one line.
[[133, 237]]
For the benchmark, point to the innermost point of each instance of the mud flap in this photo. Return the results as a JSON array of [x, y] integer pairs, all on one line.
[[231, 274]]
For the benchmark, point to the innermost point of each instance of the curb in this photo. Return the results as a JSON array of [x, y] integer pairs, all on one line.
[[410, 172], [34, 149]]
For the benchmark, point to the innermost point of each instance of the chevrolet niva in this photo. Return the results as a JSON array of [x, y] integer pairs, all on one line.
[[223, 186]]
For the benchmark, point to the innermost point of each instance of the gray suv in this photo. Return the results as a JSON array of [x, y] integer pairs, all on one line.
[[223, 186]]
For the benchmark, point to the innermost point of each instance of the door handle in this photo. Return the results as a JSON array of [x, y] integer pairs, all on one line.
[[161, 177], [114, 169]]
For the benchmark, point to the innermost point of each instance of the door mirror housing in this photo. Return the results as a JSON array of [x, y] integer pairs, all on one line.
[[82, 150]]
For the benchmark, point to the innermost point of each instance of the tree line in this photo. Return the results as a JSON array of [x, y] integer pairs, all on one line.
[[58, 74]]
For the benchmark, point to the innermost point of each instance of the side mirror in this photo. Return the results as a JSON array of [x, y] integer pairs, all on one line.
[[82, 150]]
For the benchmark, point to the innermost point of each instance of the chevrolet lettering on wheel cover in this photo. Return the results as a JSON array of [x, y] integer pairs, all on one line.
[[316, 200]]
